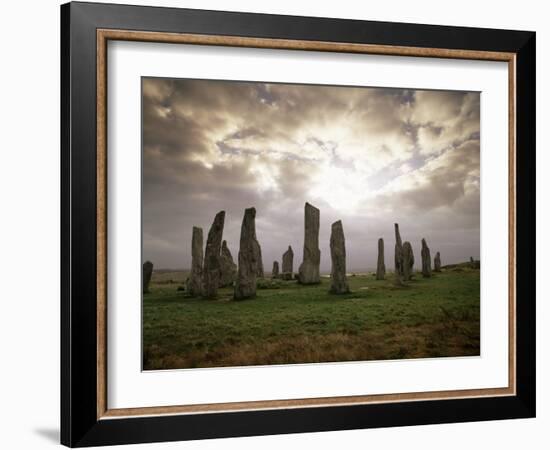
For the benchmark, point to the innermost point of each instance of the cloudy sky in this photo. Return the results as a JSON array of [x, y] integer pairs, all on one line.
[[367, 156]]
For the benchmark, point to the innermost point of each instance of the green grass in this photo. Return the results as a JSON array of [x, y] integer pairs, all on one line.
[[288, 323]]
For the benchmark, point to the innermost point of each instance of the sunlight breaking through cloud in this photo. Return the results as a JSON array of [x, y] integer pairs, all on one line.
[[367, 156]]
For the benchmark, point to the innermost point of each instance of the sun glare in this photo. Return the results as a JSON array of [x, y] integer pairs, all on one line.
[[341, 189]]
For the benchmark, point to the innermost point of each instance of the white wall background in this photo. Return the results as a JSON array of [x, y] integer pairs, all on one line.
[[29, 227]]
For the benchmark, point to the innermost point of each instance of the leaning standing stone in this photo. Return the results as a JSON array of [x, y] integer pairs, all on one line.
[[437, 262], [194, 283], [288, 263], [147, 274], [309, 269], [426, 260], [211, 274], [275, 271], [380, 266], [228, 267], [408, 261], [398, 257], [338, 280], [245, 287]]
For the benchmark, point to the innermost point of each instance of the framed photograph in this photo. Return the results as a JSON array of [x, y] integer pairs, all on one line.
[[276, 224]]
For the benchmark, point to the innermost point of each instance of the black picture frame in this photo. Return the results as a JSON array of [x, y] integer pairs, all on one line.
[[80, 425]]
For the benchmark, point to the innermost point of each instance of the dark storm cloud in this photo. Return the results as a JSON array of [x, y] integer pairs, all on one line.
[[367, 156]]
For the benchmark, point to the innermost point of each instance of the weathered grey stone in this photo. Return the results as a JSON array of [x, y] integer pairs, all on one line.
[[437, 262], [147, 274], [211, 272], [398, 273], [245, 286], [380, 266], [338, 279], [275, 270], [260, 273], [309, 269], [426, 260], [194, 282], [288, 264], [228, 267], [408, 261]]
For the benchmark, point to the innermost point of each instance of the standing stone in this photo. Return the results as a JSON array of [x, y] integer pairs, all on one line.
[[288, 263], [211, 273], [147, 274], [228, 267], [260, 273], [194, 283], [309, 269], [275, 271], [380, 267], [245, 287], [398, 257], [408, 261], [426, 260], [437, 262], [338, 280]]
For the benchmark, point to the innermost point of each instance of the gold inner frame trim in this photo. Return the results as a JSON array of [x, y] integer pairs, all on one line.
[[104, 35]]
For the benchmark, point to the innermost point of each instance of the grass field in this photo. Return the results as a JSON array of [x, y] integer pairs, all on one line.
[[289, 323]]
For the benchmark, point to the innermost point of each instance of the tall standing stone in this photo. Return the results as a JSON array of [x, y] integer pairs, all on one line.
[[437, 262], [228, 267], [194, 283], [338, 279], [211, 273], [408, 261], [288, 264], [245, 286], [309, 269], [260, 273], [380, 266], [147, 274], [275, 271], [426, 260], [398, 257]]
